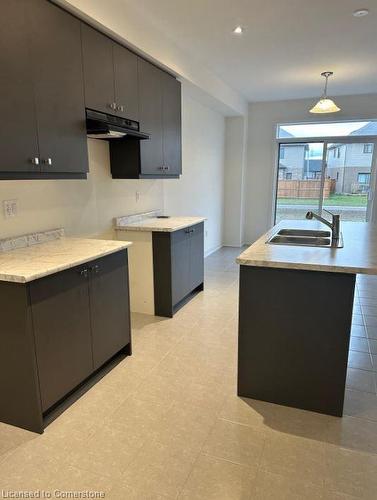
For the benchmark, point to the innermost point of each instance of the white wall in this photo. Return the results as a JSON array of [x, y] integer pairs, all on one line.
[[200, 190], [235, 166], [261, 162]]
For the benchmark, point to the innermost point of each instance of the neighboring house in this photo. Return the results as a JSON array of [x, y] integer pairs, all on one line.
[[348, 164]]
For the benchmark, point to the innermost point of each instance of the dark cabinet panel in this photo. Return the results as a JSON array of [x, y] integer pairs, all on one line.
[[180, 263], [196, 255], [59, 91], [126, 82], [171, 114], [178, 267], [150, 115], [109, 298], [18, 136], [61, 320], [97, 51]]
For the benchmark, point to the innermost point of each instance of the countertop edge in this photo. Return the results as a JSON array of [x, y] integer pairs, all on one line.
[[159, 229], [21, 279]]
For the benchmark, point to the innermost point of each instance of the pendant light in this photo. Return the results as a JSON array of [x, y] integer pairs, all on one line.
[[325, 105]]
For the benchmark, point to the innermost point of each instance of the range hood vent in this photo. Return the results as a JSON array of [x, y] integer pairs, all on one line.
[[109, 127]]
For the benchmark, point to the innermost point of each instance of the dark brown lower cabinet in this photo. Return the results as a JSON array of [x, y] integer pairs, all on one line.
[[56, 332], [178, 267]]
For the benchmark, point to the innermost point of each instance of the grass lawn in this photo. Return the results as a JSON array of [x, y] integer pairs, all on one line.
[[342, 200]]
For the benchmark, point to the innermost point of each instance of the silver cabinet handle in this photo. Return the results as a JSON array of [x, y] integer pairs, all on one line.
[[84, 272], [120, 107], [113, 106], [47, 161], [35, 160]]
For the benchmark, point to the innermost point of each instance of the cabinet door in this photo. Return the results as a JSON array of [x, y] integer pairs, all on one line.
[[171, 113], [61, 319], [59, 89], [97, 50], [180, 265], [18, 137], [150, 114], [109, 300], [196, 255], [126, 83]]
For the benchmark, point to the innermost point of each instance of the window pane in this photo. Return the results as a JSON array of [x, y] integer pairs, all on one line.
[[299, 180], [328, 129], [350, 171]]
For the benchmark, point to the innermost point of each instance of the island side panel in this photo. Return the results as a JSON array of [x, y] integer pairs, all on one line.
[[19, 384], [294, 333]]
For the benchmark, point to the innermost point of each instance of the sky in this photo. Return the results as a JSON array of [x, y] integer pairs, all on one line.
[[323, 129]]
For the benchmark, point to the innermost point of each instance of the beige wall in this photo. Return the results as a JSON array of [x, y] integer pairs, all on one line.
[[261, 158]]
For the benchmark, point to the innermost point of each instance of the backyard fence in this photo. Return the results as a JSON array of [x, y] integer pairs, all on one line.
[[305, 189]]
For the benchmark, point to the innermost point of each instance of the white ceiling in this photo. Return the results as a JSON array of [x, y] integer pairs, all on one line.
[[285, 46]]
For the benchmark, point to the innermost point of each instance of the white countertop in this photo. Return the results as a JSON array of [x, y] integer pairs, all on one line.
[[33, 262], [359, 254], [164, 225]]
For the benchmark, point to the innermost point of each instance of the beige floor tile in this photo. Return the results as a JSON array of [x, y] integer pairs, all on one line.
[[237, 443], [360, 404], [293, 457], [160, 468], [361, 380], [108, 452], [354, 433], [351, 472], [270, 486], [13, 437], [248, 411], [214, 479]]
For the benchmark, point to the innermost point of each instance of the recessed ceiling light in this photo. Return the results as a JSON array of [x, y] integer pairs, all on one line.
[[360, 12], [238, 30]]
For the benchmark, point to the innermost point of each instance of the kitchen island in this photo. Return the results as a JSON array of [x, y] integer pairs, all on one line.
[[295, 314]]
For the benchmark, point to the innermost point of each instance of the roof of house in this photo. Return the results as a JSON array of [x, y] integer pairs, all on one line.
[[369, 129]]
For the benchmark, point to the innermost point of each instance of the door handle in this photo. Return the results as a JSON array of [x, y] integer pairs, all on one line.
[[84, 272], [112, 106], [47, 161], [120, 107], [35, 160]]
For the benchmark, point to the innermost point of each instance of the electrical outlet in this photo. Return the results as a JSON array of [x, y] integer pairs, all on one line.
[[10, 208], [137, 196]]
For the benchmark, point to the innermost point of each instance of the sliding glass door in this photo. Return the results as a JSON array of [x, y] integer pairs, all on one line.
[[349, 172], [337, 176], [299, 184]]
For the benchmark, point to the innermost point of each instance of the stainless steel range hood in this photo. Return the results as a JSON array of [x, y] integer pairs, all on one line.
[[109, 127]]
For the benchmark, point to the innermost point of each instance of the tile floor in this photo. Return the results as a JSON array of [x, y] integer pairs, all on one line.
[[166, 423]]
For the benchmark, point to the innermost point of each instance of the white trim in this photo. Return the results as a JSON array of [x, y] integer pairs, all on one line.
[[212, 250]]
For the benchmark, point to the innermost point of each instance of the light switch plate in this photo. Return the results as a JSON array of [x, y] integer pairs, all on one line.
[[10, 208]]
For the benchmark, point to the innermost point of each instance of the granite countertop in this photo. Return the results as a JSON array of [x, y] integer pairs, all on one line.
[[167, 225], [32, 262], [359, 254]]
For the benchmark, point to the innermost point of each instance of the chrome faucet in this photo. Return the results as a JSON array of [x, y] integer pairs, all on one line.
[[334, 225]]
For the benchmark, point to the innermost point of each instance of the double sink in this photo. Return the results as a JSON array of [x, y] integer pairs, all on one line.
[[305, 237]]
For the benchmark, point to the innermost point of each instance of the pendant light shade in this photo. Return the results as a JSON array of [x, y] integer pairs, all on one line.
[[325, 104]]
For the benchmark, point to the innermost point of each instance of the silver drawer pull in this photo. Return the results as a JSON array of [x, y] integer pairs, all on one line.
[[47, 161], [113, 106], [120, 107], [35, 161]]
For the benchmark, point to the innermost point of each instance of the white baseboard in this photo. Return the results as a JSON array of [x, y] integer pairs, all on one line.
[[212, 250]]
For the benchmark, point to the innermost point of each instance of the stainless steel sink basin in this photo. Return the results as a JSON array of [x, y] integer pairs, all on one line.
[[300, 240], [305, 232], [305, 237]]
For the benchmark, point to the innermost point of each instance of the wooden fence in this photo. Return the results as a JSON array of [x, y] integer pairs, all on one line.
[[305, 189]]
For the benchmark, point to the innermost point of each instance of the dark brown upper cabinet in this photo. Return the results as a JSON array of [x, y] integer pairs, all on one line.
[[159, 116], [42, 100], [110, 75], [18, 136]]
